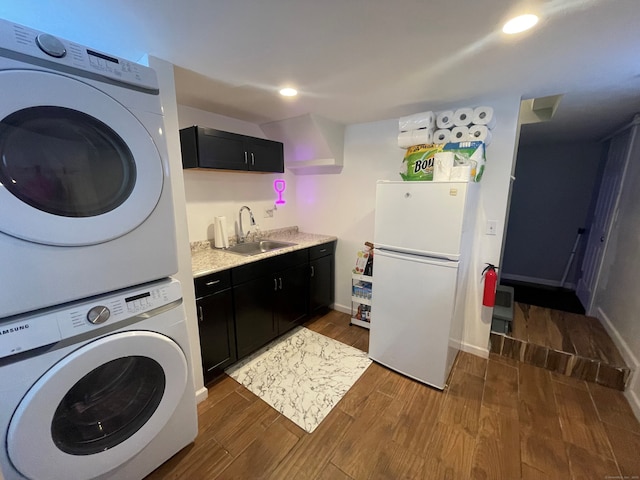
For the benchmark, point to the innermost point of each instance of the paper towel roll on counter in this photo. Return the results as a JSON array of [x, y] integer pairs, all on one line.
[[460, 134], [417, 121], [463, 117], [442, 136], [220, 233], [480, 133], [444, 119], [484, 116]]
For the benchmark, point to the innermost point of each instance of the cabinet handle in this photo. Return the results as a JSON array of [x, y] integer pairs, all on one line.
[[253, 160], [323, 250], [245, 158], [200, 315], [275, 284], [280, 282], [208, 284], [313, 272]]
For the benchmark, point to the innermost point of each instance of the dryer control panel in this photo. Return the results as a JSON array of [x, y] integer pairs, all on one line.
[[57, 51], [26, 332]]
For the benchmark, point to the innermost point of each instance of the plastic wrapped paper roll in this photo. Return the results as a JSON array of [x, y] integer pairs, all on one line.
[[444, 119], [405, 139], [442, 136], [463, 117], [417, 121], [421, 136], [480, 133], [460, 134], [220, 233], [484, 116], [442, 165]]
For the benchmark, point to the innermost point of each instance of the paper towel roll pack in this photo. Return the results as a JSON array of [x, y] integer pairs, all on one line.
[[462, 125], [458, 161]]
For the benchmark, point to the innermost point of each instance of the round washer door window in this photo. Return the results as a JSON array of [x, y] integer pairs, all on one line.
[[76, 166], [98, 407]]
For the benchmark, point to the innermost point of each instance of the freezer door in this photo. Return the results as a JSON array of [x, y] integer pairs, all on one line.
[[424, 218], [411, 316]]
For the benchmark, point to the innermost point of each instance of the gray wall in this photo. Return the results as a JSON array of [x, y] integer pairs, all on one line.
[[551, 199]]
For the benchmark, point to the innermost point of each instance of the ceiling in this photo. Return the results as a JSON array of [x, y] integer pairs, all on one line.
[[357, 61]]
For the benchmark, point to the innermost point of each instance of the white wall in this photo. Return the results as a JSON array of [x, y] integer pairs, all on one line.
[[214, 193], [617, 302], [343, 204], [550, 202]]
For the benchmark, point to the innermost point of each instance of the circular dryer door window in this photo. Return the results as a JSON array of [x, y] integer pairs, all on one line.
[[98, 407], [77, 167]]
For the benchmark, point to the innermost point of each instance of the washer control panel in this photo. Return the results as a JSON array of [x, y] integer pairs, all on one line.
[[55, 50], [26, 332]]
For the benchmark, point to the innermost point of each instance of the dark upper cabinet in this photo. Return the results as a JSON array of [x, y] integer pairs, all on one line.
[[209, 148]]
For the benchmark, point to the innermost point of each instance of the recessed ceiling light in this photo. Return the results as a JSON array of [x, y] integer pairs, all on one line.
[[288, 92], [520, 23]]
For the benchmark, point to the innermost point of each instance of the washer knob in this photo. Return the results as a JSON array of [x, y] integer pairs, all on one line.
[[98, 315], [51, 45]]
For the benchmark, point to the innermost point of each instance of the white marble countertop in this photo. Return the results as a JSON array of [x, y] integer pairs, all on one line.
[[206, 259]]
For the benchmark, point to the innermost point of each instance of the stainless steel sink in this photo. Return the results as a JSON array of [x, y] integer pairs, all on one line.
[[256, 248]]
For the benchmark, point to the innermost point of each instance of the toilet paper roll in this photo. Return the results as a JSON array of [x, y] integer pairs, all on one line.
[[421, 136], [404, 139], [480, 133], [460, 173], [445, 119], [442, 165], [462, 117], [484, 116], [442, 136], [417, 121], [460, 134]]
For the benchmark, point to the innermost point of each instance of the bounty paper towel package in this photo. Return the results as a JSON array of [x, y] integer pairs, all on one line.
[[419, 160]]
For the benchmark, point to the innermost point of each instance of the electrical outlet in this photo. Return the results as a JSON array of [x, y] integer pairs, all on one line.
[[492, 226], [268, 212]]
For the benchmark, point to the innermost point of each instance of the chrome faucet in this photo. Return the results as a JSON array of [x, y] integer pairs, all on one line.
[[241, 234]]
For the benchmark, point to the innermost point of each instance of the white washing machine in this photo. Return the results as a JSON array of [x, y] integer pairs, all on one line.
[[85, 201], [100, 388]]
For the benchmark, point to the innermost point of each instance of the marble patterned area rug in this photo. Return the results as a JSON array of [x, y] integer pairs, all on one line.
[[302, 374]]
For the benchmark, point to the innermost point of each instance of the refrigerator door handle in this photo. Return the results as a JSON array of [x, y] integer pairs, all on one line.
[[416, 258]]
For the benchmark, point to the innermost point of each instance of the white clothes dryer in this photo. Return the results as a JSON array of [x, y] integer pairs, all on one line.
[[85, 201], [100, 388]]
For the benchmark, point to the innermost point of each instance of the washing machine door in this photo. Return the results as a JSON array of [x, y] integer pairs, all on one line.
[[76, 166], [98, 407]]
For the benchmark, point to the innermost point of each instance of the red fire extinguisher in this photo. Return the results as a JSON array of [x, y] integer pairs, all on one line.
[[490, 284]]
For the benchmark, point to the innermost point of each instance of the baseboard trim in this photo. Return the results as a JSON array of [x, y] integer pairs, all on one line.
[[201, 394], [475, 350], [632, 391], [538, 281], [342, 308]]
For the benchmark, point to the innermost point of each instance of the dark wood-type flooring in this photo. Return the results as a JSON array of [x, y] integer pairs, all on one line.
[[563, 342], [497, 419]]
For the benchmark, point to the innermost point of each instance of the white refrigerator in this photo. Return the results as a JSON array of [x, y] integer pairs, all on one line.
[[423, 238]]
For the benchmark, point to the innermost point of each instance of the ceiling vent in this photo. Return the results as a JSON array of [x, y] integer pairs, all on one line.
[[312, 144]]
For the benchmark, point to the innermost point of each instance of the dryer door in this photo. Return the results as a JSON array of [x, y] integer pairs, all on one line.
[[76, 166], [97, 407]]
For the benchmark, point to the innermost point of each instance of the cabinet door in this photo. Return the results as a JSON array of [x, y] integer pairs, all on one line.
[[321, 291], [221, 150], [255, 324], [265, 155], [292, 297], [217, 333]]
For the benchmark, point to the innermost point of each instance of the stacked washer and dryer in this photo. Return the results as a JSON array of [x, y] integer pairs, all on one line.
[[95, 373]]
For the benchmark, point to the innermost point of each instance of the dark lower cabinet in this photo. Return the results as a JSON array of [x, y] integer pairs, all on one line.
[[291, 299], [216, 327], [321, 277], [255, 324]]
